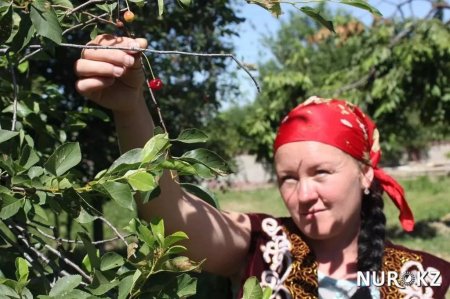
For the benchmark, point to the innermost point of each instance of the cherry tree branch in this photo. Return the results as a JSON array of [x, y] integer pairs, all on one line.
[[163, 52], [21, 235], [12, 67], [87, 3], [78, 241], [371, 74]]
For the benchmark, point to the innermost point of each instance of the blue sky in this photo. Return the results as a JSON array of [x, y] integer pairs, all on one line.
[[259, 21]]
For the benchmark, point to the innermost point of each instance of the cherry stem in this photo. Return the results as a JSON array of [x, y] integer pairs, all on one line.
[[149, 65]]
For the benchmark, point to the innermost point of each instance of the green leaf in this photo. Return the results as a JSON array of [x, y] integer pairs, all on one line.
[[85, 217], [208, 159], [45, 20], [315, 14], [22, 109], [35, 171], [64, 285], [140, 180], [110, 261], [267, 293], [126, 161], [65, 3], [192, 136], [160, 7], [125, 286], [28, 157], [120, 193], [174, 238], [157, 227], [139, 3], [40, 212], [24, 66], [201, 193], [94, 32], [23, 36], [186, 286], [70, 202], [363, 5], [183, 168], [6, 21], [176, 250], [203, 171], [21, 270], [185, 3], [7, 292], [10, 206], [109, 8], [252, 289], [92, 252], [64, 158], [101, 284], [155, 147], [6, 135]]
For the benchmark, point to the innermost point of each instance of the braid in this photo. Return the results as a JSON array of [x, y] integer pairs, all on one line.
[[371, 236]]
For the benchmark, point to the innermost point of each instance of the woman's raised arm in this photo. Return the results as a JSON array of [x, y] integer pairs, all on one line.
[[114, 79]]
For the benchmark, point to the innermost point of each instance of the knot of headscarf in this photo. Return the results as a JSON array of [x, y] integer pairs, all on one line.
[[343, 125]]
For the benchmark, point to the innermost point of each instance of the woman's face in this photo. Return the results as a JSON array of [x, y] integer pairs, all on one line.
[[322, 188]]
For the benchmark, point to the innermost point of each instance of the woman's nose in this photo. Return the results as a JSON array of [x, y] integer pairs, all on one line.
[[306, 191]]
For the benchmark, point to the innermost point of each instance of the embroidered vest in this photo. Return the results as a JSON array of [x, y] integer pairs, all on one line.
[[290, 270]]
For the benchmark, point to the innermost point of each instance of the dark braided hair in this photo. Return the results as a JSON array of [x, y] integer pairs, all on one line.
[[371, 236]]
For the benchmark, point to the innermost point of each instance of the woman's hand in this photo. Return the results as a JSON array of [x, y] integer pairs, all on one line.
[[112, 78]]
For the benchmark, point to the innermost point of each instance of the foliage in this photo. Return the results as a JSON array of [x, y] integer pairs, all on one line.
[[397, 70], [34, 187]]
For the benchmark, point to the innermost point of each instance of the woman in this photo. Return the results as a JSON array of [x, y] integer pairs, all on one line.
[[326, 156]]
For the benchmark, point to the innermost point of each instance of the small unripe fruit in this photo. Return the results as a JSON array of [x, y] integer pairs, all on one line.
[[128, 16], [155, 84]]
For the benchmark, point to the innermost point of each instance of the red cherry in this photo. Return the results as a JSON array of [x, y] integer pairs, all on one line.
[[155, 84]]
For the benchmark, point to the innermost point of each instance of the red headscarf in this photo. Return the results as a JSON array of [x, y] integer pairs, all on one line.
[[343, 125]]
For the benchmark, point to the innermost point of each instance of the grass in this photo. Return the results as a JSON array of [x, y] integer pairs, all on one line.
[[428, 199]]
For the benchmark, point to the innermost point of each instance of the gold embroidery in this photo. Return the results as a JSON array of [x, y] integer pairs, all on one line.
[[393, 260], [302, 280]]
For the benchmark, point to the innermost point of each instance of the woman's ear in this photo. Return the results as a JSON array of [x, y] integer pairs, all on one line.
[[366, 176]]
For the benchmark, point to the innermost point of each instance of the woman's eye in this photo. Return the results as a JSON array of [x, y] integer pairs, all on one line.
[[288, 180], [322, 172]]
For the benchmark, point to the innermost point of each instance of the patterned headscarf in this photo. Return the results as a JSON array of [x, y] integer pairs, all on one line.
[[344, 126]]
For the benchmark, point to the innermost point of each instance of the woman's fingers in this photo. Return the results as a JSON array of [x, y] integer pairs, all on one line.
[[122, 57], [116, 57], [86, 86], [89, 68]]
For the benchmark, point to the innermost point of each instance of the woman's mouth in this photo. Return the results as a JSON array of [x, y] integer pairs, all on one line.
[[311, 213]]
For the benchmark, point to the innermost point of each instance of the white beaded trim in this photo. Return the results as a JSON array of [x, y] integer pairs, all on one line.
[[276, 252], [415, 290]]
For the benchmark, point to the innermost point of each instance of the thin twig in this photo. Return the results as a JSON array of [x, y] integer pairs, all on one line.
[[19, 231], [14, 79], [88, 22], [78, 241], [114, 229], [69, 262], [54, 251], [29, 55], [227, 55], [75, 9]]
